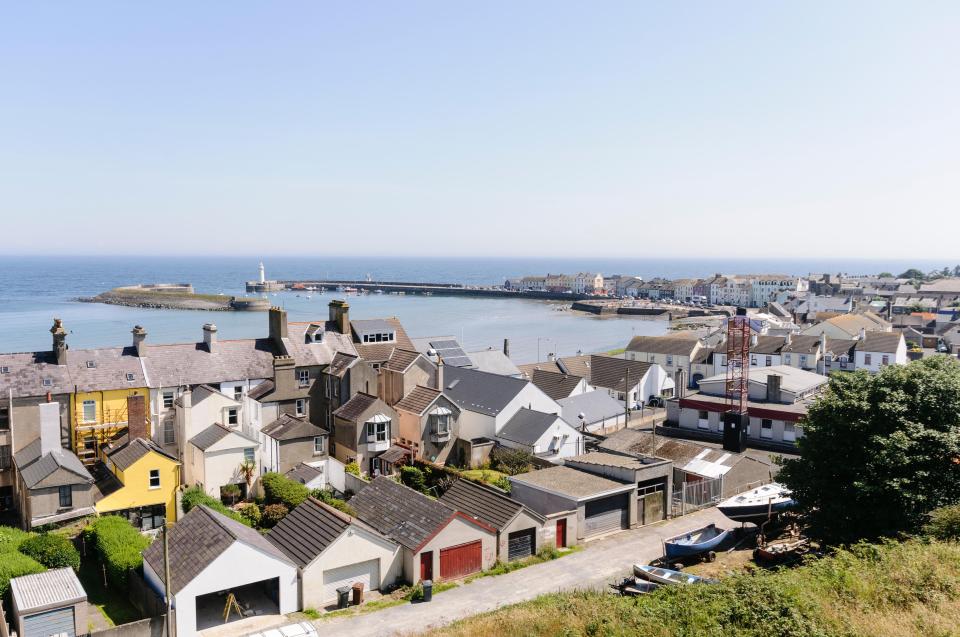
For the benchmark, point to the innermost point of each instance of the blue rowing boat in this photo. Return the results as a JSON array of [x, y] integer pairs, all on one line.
[[695, 542]]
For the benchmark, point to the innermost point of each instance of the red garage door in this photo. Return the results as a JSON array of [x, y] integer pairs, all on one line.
[[458, 561]]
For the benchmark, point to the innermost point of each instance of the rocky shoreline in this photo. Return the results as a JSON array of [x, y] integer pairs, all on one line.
[[175, 301]]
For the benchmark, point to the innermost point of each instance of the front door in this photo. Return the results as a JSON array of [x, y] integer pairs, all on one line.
[[561, 533], [426, 565]]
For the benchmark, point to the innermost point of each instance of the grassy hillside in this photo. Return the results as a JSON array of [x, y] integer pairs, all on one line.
[[886, 590]]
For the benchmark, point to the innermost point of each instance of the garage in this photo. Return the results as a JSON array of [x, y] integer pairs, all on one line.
[[606, 514], [461, 560], [53, 622], [49, 603], [520, 544], [367, 573]]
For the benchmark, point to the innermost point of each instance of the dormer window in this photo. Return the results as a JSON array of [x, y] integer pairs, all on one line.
[[47, 382], [4, 370], [130, 376], [91, 364]]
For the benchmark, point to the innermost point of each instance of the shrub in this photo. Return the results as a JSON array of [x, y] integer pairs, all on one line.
[[51, 550], [548, 553], [251, 513], [327, 498], [11, 538], [510, 461], [118, 545], [353, 467], [502, 483], [413, 478], [272, 514], [279, 489], [195, 496], [15, 564], [944, 524], [230, 492]]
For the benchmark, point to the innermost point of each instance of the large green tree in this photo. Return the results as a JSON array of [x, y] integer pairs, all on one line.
[[880, 452], [913, 273]]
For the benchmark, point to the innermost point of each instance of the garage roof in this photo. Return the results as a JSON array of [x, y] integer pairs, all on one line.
[[483, 503], [308, 530], [43, 591], [571, 483]]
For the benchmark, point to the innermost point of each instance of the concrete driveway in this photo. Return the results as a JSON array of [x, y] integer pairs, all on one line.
[[602, 562]]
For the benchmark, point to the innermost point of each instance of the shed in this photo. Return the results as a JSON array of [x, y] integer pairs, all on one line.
[[653, 477], [49, 603]]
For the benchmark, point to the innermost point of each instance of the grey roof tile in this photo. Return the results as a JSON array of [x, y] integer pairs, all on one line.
[[402, 514], [554, 384], [527, 426], [481, 392], [483, 503], [124, 456], [308, 530], [288, 427], [614, 373]]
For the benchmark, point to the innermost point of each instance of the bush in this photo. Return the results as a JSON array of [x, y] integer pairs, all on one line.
[[230, 492], [118, 545], [353, 467], [195, 496], [510, 461], [15, 564], [327, 498], [51, 550], [279, 489], [11, 538], [272, 514], [251, 513], [413, 478], [502, 483], [944, 524]]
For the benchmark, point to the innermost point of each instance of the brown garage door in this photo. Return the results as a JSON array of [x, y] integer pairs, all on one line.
[[461, 560]]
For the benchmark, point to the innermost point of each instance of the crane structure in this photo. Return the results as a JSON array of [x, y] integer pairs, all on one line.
[[735, 419]]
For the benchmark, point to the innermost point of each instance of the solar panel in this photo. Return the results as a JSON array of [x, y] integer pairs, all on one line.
[[445, 345], [457, 361]]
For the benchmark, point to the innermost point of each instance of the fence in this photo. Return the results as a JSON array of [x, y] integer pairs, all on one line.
[[152, 627], [693, 496], [144, 598], [4, 630]]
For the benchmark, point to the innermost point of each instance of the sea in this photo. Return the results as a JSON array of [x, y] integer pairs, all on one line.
[[34, 290]]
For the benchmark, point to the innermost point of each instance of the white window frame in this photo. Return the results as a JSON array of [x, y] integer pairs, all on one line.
[[93, 405], [232, 416], [168, 397], [154, 476], [703, 419], [169, 432], [766, 428], [789, 432], [867, 359], [885, 359], [238, 392], [249, 454], [300, 406], [303, 377], [378, 430], [438, 420], [318, 445]]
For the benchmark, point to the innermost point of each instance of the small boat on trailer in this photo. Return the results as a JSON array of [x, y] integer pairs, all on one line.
[[659, 575], [759, 504], [700, 542]]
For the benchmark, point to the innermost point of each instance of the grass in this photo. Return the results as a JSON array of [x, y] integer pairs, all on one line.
[[617, 352], [111, 602], [895, 589], [400, 596], [544, 555], [489, 476]]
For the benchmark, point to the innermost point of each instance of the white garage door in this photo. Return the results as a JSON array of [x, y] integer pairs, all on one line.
[[366, 572]]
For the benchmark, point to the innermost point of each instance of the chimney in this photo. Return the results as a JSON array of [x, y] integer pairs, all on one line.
[[210, 337], [506, 347], [137, 425], [49, 428], [59, 341], [680, 383], [863, 333], [551, 357], [278, 326], [773, 387], [439, 373], [140, 340], [789, 338], [340, 316], [753, 339], [823, 343]]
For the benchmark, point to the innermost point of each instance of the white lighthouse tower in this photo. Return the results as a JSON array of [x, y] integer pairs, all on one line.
[[263, 277]]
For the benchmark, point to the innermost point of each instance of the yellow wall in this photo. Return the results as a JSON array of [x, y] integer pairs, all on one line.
[[136, 491], [111, 404]]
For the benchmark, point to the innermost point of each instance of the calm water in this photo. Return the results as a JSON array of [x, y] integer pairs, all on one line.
[[33, 290]]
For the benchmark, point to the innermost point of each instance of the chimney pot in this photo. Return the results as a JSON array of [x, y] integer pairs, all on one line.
[[210, 337], [139, 340]]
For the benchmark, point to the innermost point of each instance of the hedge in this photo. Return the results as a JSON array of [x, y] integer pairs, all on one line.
[[279, 489], [118, 545], [11, 538], [327, 497], [272, 514], [195, 496], [15, 564], [51, 550]]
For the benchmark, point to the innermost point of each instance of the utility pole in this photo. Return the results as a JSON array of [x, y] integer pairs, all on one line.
[[166, 581], [626, 395]]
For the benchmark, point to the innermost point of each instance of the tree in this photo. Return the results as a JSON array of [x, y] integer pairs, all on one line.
[[885, 275], [880, 452], [956, 270], [248, 470], [913, 273]]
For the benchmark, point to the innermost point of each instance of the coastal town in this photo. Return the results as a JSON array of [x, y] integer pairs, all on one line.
[[339, 466]]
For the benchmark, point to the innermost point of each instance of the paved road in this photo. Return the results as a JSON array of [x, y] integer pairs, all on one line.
[[600, 563]]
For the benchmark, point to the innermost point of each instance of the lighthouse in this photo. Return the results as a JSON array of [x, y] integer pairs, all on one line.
[[263, 278]]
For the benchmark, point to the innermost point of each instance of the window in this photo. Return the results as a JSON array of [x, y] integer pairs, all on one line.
[[703, 419], [130, 376], [301, 407], [168, 400], [66, 497], [377, 431], [768, 361], [89, 411], [249, 455], [653, 359], [154, 478], [766, 428], [303, 377], [788, 358], [885, 360], [47, 382], [4, 457], [441, 424], [233, 416], [91, 364], [669, 359], [318, 444], [789, 432], [753, 360], [4, 370], [803, 360], [4, 418], [867, 359], [238, 392], [169, 437]]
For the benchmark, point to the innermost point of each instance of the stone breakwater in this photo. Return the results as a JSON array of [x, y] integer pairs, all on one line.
[[163, 299]]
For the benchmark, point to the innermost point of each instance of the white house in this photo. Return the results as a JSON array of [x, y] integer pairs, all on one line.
[[332, 550], [547, 436], [876, 350], [211, 557], [214, 458], [632, 381]]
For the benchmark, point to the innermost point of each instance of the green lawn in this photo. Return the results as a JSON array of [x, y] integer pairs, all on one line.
[[486, 475], [113, 603]]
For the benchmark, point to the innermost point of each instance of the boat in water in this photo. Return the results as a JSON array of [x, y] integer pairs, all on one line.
[[698, 542], [758, 505], [666, 576]]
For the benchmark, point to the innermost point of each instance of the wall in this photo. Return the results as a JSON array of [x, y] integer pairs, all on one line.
[[136, 491], [540, 501], [457, 531], [293, 452], [43, 502], [523, 521], [531, 397], [222, 463], [354, 545], [549, 531], [153, 627]]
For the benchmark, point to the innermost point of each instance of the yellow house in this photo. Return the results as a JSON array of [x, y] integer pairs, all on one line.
[[143, 487]]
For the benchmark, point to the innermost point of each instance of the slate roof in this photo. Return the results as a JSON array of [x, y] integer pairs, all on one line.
[[612, 373], [288, 427], [802, 344], [179, 364], [34, 469], [554, 384], [885, 342], [768, 345], [308, 530], [341, 363], [596, 406], [380, 352], [673, 345], [569, 482], [841, 346], [126, 455], [493, 361], [418, 400], [402, 514], [401, 359], [214, 434], [113, 368], [527, 426], [261, 390], [56, 588], [572, 365], [197, 540], [27, 371], [315, 354], [484, 503], [355, 407], [303, 473], [481, 392]]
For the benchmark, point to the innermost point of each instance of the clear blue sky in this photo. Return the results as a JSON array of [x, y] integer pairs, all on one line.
[[486, 128]]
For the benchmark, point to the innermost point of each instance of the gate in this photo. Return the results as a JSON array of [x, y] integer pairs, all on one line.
[[693, 496]]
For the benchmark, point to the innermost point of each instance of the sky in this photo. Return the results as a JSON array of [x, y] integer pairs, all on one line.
[[620, 129]]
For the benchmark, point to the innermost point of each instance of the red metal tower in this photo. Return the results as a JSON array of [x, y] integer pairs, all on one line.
[[736, 420]]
